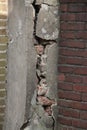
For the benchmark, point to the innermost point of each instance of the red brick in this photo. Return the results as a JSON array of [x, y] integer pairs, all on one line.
[[65, 103], [73, 79], [80, 7], [73, 1], [67, 17], [83, 115], [70, 60], [84, 96], [73, 52], [67, 34], [81, 17], [66, 69], [79, 105], [65, 86], [70, 95], [63, 7], [79, 124], [68, 112], [61, 77], [81, 71], [72, 26], [73, 104], [80, 88], [72, 43], [65, 121], [81, 35]]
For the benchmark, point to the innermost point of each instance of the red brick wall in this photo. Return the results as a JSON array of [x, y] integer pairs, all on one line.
[[73, 65]]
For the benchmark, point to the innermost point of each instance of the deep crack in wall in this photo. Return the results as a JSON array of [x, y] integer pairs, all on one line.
[[32, 65], [44, 102]]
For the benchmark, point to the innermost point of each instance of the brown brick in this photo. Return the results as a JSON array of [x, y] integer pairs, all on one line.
[[1, 126], [3, 7], [2, 85], [3, 63], [2, 71], [2, 102], [3, 55], [2, 93], [2, 109], [3, 23], [3, 16], [3, 47], [2, 78], [1, 118], [3, 39], [3, 32]]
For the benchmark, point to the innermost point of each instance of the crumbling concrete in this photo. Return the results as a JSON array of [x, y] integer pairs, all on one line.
[[32, 65], [20, 54]]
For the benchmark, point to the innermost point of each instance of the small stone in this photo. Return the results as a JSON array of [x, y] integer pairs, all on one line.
[[43, 67], [51, 2], [41, 90], [43, 82], [44, 59], [39, 2], [48, 110], [45, 101], [39, 49]]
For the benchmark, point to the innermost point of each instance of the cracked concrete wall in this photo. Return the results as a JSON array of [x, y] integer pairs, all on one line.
[[32, 65]]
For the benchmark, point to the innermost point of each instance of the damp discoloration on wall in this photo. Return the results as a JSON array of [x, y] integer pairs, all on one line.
[[33, 49]]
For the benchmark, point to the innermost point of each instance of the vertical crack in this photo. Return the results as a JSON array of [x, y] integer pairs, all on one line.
[[43, 102]]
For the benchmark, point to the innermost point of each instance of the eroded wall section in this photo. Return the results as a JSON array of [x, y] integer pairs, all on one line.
[[32, 65]]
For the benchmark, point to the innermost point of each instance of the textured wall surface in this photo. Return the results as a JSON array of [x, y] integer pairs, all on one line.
[[3, 60], [32, 65], [73, 65]]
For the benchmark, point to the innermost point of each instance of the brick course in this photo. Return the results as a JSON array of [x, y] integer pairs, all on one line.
[[3, 57], [73, 65]]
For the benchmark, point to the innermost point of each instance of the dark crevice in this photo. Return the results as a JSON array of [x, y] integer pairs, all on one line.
[[37, 9]]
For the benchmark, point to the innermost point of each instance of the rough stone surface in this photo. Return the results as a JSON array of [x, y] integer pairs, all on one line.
[[51, 2], [31, 102], [52, 61], [39, 2], [19, 46], [47, 22]]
